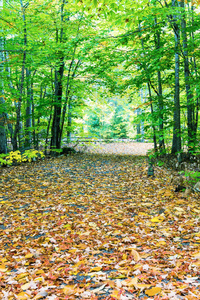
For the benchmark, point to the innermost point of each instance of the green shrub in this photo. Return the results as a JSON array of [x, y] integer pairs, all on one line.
[[16, 157]]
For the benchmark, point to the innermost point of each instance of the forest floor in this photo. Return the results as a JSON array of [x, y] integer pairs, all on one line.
[[92, 226]]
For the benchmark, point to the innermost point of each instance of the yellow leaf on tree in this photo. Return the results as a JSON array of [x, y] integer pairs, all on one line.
[[153, 291]]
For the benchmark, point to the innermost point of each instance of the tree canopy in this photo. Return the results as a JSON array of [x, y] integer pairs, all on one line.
[[65, 63]]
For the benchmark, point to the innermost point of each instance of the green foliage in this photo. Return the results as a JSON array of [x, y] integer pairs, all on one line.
[[16, 157], [192, 177], [118, 127]]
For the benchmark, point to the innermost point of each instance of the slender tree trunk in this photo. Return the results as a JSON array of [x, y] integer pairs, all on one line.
[[8, 71], [189, 95], [176, 143], [153, 127], [3, 139], [56, 129], [160, 96], [29, 101], [21, 87], [69, 120], [196, 117]]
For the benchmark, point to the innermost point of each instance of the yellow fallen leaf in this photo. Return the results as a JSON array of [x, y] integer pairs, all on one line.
[[69, 290], [39, 272], [116, 294], [95, 269], [135, 254], [167, 194], [92, 224], [23, 296], [156, 220], [29, 255], [197, 255], [67, 226], [160, 243], [180, 209], [153, 291], [143, 285], [25, 286], [72, 250], [39, 279], [3, 268], [38, 296], [130, 281], [148, 204], [22, 275]]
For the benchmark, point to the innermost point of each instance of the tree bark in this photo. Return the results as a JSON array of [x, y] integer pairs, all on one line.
[[21, 87], [3, 138], [29, 101], [176, 143], [189, 95], [160, 97], [56, 129]]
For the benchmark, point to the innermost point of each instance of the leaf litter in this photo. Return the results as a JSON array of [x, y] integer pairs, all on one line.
[[96, 227]]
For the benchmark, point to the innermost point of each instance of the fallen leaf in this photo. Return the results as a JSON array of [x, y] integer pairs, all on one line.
[[153, 291]]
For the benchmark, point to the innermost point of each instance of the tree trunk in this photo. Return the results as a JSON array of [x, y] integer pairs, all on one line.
[[55, 130], [29, 101], [189, 95], [69, 120], [56, 124], [176, 143], [154, 129], [3, 139], [160, 97], [21, 87]]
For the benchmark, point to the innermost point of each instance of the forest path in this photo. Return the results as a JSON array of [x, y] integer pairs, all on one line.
[[96, 227], [117, 148]]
